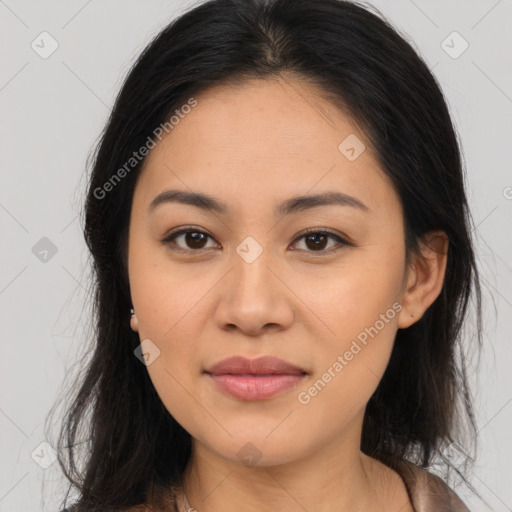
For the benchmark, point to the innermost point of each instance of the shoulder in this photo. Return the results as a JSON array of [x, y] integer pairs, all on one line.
[[427, 491]]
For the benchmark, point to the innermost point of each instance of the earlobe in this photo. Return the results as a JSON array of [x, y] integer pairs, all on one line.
[[407, 313], [425, 278], [134, 324]]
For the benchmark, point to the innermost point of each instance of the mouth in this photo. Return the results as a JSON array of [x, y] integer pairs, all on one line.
[[255, 379]]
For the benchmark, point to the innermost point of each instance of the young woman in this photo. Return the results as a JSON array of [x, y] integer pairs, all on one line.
[[283, 264]]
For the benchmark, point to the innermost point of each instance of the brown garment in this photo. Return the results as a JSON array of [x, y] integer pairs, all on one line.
[[427, 492]]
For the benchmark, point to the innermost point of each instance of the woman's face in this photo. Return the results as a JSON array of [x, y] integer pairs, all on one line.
[[254, 283]]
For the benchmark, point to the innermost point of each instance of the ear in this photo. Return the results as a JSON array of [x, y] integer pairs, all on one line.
[[424, 279], [134, 323]]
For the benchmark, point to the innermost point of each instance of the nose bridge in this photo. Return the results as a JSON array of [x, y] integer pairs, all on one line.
[[251, 261]]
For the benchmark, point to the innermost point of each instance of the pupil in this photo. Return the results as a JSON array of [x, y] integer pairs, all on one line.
[[194, 238], [315, 237]]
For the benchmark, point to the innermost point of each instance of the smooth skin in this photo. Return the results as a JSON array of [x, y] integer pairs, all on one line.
[[302, 299]]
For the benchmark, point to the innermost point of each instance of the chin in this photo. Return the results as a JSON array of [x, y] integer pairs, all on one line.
[[256, 449]]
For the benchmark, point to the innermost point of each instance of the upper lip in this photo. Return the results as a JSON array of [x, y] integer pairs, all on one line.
[[265, 365]]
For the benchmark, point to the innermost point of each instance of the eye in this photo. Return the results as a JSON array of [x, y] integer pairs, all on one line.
[[196, 240], [315, 240], [193, 238]]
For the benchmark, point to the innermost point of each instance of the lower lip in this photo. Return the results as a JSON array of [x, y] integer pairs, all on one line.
[[255, 387]]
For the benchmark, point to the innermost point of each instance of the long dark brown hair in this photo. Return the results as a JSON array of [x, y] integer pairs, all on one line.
[[117, 439]]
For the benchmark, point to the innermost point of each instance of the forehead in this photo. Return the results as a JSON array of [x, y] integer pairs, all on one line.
[[264, 140]]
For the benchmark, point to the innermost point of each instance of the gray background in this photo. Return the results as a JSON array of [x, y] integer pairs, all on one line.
[[52, 110]]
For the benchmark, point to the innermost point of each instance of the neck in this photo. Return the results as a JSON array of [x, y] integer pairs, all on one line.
[[336, 477]]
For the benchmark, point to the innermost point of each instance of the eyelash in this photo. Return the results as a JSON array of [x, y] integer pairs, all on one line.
[[341, 241]]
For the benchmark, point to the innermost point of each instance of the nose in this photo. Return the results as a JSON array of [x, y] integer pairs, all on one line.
[[254, 298]]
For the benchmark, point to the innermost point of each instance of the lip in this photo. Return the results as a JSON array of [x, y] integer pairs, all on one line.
[[265, 365], [255, 379]]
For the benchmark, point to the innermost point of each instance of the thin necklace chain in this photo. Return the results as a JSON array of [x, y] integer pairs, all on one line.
[[174, 496], [188, 508]]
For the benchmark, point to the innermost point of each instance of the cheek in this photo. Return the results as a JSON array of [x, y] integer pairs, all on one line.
[[350, 297], [167, 303], [360, 309], [177, 391], [167, 296], [175, 372], [348, 370], [171, 316]]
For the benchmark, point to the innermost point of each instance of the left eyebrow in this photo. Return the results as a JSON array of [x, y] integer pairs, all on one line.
[[301, 203], [292, 205]]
